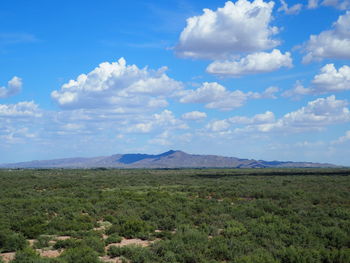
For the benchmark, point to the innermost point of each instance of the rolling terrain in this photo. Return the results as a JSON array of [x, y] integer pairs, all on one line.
[[169, 159]]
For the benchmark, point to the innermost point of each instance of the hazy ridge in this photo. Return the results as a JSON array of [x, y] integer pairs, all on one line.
[[169, 159]]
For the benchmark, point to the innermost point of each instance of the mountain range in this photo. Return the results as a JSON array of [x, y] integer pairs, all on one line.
[[169, 159]]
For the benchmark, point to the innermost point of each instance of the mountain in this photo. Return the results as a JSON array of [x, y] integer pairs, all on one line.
[[170, 159]]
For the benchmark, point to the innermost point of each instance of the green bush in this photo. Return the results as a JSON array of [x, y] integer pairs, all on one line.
[[234, 228], [114, 251], [11, 241], [31, 227], [28, 255], [259, 256], [136, 254], [113, 238], [94, 243], [131, 228], [67, 243], [42, 242], [80, 255]]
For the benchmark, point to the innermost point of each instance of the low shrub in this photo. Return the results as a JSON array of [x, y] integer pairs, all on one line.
[[80, 255], [11, 241], [113, 238]]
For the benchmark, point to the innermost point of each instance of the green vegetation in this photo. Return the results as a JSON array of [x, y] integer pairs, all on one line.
[[113, 238], [186, 216]]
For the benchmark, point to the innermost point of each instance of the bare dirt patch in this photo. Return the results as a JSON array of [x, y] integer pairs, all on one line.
[[110, 260], [103, 225], [49, 253], [132, 241], [31, 242], [62, 237], [7, 257]]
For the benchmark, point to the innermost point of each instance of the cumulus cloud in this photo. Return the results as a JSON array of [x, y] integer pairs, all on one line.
[[267, 117], [226, 124], [342, 139], [297, 91], [118, 87], [194, 115], [268, 93], [314, 116], [228, 31], [293, 10], [260, 62], [339, 4], [216, 96], [161, 139], [14, 87], [334, 43], [311, 4], [21, 109], [164, 120], [330, 79]]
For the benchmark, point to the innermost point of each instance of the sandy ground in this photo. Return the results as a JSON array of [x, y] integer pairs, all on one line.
[[110, 260], [7, 257], [133, 241], [31, 242], [62, 237], [49, 253]]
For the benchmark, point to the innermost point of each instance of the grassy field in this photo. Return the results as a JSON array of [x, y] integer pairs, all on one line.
[[184, 215]]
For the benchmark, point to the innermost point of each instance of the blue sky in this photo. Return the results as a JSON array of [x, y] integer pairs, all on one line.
[[253, 79]]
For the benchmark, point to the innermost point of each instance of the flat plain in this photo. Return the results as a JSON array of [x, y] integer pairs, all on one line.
[[175, 215]]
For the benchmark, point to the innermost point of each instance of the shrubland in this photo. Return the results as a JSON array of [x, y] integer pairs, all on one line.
[[187, 215]]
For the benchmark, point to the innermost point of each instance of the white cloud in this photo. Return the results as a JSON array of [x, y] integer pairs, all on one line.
[[342, 139], [17, 135], [194, 115], [297, 91], [218, 126], [260, 62], [268, 93], [267, 117], [159, 121], [118, 87], [14, 87], [315, 115], [334, 43], [21, 109], [312, 4], [238, 27], [161, 139], [330, 79], [227, 124], [295, 9], [216, 96], [339, 4]]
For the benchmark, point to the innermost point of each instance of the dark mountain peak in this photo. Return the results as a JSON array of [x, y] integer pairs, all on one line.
[[170, 152], [133, 158]]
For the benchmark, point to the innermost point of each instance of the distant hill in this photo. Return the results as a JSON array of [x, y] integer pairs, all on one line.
[[170, 159]]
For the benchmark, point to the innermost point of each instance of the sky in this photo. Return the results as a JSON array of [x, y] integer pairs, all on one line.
[[256, 79]]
